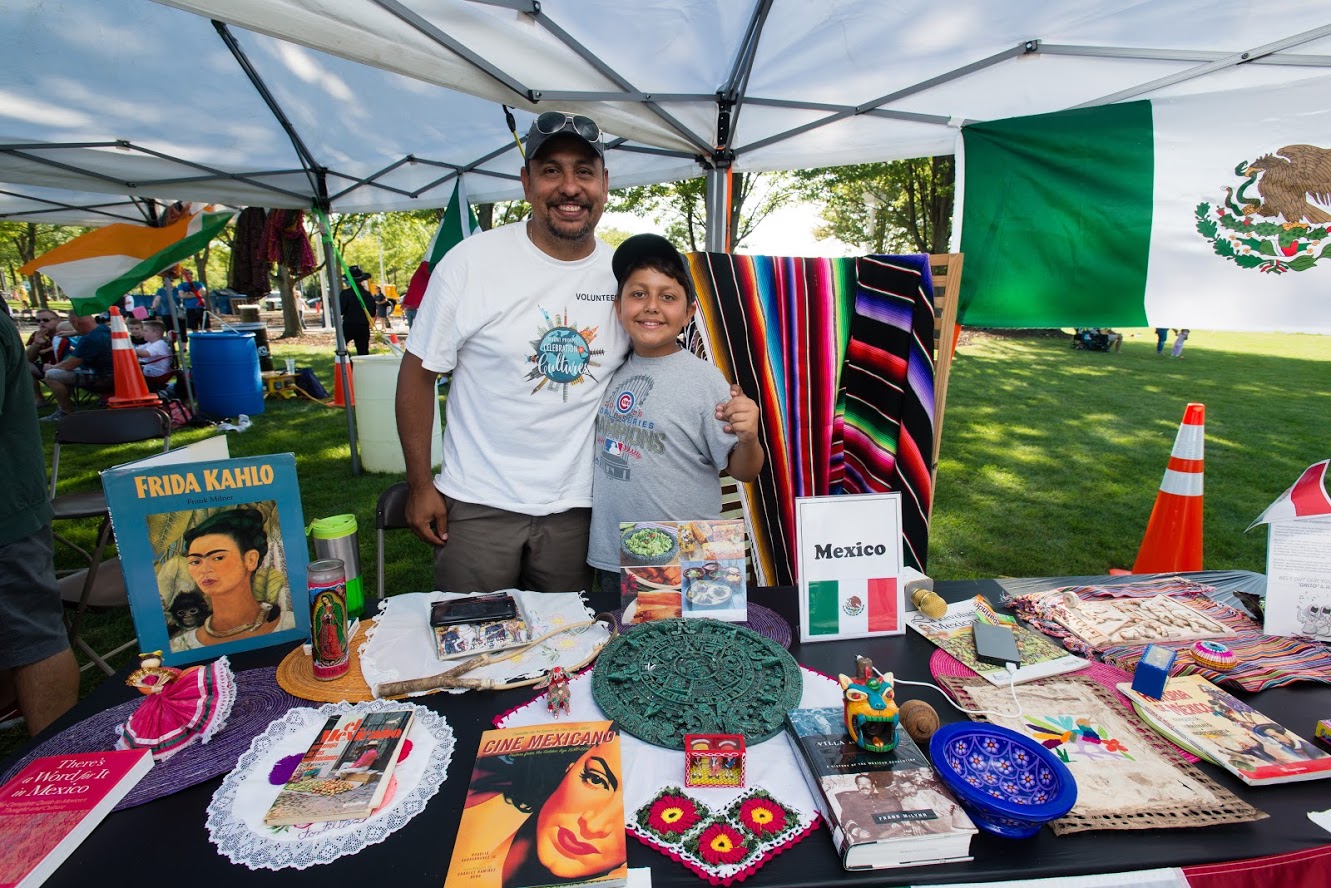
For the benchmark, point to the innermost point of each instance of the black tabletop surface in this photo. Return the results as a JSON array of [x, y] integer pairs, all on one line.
[[166, 841]]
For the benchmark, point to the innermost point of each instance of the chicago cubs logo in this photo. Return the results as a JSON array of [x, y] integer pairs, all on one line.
[[625, 402]]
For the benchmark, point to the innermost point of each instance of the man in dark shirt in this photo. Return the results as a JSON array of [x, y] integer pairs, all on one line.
[[354, 307], [33, 644], [89, 366]]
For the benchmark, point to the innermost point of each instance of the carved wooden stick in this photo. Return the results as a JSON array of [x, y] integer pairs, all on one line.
[[453, 678]]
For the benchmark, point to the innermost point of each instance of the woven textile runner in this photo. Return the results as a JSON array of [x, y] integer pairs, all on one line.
[[781, 329], [888, 392]]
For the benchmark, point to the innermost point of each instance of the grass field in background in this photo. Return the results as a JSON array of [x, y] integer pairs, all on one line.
[[1051, 458]]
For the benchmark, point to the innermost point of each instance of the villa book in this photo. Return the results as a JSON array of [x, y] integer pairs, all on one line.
[[545, 806], [1200, 717], [1040, 657], [53, 804], [213, 552], [884, 810], [346, 771]]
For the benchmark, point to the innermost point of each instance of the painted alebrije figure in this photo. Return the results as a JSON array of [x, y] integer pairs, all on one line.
[[871, 712], [557, 697]]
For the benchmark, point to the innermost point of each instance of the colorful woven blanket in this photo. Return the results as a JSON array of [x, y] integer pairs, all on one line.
[[837, 354]]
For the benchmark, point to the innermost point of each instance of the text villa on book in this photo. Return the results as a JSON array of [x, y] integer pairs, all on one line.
[[206, 480]]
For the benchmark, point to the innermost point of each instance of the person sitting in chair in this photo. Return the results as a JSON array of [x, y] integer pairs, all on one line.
[[89, 366], [154, 355]]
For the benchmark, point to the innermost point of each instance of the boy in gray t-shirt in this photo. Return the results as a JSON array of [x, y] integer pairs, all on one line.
[[669, 423]]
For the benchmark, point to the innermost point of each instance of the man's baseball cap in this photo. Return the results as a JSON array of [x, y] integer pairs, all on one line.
[[558, 123]]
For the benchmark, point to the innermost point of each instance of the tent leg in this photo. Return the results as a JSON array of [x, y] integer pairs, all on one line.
[[718, 205], [334, 311]]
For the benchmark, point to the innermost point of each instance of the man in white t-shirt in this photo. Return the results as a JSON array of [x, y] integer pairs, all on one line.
[[523, 318]]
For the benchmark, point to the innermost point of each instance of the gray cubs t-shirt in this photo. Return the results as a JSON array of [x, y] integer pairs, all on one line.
[[659, 448]]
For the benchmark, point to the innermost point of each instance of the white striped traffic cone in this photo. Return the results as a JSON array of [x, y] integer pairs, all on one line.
[[131, 388], [1173, 539]]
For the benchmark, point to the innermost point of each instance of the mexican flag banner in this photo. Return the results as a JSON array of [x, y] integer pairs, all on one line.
[[97, 268], [1209, 211], [459, 222]]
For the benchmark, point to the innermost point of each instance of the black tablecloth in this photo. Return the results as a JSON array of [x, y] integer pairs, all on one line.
[[166, 841]]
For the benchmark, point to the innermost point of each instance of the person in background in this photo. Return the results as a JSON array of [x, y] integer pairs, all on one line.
[[522, 316], [354, 305], [135, 328], [191, 297], [89, 366], [1182, 337], [40, 350], [381, 307], [154, 354], [1161, 337], [1112, 340], [670, 423], [34, 644]]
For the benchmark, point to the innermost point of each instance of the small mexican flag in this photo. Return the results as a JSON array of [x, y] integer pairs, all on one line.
[[1209, 210], [853, 607], [99, 267], [459, 222]]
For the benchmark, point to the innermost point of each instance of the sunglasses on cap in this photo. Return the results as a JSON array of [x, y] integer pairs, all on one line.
[[551, 122]]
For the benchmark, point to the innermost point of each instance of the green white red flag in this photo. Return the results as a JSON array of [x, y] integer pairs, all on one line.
[[1205, 211], [97, 268], [459, 222]]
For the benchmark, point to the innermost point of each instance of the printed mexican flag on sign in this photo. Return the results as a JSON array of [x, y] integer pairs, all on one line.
[[1209, 211], [849, 566]]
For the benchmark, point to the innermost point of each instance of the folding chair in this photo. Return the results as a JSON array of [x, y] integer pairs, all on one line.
[[99, 428], [390, 514]]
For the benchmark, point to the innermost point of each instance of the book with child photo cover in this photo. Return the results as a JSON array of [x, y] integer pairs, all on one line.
[[671, 569], [211, 551]]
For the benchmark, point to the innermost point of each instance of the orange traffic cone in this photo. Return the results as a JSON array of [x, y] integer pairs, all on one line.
[[338, 399], [1173, 539], [131, 389]]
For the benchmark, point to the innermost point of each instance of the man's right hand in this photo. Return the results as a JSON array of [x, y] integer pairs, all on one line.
[[427, 515]]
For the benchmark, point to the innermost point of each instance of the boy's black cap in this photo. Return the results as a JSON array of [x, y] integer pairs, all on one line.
[[575, 125], [631, 253]]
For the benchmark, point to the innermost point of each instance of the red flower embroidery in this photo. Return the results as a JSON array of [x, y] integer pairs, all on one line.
[[762, 816], [720, 844], [672, 814]]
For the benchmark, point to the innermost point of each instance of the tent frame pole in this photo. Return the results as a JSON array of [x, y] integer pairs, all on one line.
[[333, 309]]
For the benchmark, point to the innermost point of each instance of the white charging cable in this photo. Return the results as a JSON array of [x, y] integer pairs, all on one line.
[[1012, 686]]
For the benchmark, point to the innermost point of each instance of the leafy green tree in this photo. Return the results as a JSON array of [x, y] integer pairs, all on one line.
[[21, 242], [893, 207], [681, 207]]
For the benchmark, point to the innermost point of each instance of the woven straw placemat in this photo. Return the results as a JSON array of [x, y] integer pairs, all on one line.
[[295, 674]]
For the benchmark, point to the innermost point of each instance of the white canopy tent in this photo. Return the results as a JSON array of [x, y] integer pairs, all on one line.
[[375, 105]]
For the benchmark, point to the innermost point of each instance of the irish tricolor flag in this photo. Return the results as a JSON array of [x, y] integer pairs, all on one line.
[[1206, 211], [97, 268]]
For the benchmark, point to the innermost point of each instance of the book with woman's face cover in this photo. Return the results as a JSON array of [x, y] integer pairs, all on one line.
[[213, 552]]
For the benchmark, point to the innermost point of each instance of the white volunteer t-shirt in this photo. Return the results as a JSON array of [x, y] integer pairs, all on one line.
[[532, 343]]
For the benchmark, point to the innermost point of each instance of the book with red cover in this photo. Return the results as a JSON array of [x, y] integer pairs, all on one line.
[[54, 803]]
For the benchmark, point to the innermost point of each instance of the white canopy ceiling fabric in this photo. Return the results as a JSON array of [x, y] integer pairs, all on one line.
[[102, 101]]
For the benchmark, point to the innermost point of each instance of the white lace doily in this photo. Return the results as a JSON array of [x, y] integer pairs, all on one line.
[[401, 644], [770, 765], [235, 815]]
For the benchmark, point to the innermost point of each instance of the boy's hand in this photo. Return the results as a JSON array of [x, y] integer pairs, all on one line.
[[740, 414]]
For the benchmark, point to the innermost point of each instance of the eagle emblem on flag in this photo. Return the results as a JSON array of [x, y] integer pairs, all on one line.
[[1277, 219]]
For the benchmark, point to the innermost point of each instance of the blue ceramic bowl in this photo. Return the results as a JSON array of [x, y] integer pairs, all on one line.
[[1009, 784]]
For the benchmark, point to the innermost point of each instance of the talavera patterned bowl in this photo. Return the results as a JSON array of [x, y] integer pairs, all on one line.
[[1009, 784]]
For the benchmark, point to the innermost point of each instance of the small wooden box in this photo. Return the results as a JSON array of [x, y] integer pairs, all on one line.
[[714, 760]]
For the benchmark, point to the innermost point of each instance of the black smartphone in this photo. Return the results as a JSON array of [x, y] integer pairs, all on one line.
[[996, 644], [475, 609]]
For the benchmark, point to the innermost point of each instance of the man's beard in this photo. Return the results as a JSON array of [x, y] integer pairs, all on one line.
[[562, 233]]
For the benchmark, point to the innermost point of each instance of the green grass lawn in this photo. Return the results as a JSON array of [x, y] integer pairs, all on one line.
[[1050, 464]]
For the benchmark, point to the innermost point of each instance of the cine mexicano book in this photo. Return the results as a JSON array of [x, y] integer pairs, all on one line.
[[210, 551]]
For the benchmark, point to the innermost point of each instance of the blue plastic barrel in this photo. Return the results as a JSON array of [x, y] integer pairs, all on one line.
[[226, 374]]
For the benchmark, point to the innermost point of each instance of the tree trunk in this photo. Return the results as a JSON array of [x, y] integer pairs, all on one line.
[[485, 215], [292, 321]]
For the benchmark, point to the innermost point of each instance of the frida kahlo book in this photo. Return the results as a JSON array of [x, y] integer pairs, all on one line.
[[884, 809], [345, 772], [1040, 657], [1203, 719], [211, 551], [52, 805], [545, 806]]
